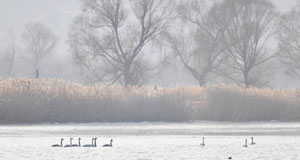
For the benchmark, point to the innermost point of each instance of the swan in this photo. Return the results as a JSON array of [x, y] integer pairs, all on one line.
[[202, 144], [69, 145], [57, 145], [95, 142], [77, 145], [108, 145], [89, 145], [252, 142], [245, 145]]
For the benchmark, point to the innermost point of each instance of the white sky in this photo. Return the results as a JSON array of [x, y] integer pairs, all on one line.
[[57, 14]]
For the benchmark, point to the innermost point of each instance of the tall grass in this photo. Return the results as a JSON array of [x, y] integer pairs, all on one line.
[[53, 100]]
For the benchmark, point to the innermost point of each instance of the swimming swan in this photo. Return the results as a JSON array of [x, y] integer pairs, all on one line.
[[57, 145], [95, 142], [89, 145], [69, 145], [202, 144], [252, 142], [108, 145], [77, 145], [245, 145]]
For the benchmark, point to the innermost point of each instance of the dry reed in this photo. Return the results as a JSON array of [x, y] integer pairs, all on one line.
[[54, 100]]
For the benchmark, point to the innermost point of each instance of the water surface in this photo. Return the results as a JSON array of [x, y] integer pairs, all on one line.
[[143, 141]]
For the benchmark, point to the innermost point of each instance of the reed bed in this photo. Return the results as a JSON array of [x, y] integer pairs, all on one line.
[[54, 100]]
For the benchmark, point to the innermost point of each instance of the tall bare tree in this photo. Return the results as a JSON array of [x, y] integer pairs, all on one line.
[[201, 50], [289, 42], [39, 42], [250, 31], [109, 36]]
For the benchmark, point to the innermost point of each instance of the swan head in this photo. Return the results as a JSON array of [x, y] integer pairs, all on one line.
[[62, 139], [111, 140]]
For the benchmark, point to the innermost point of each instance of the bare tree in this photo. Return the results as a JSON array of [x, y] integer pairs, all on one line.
[[289, 42], [249, 32], [39, 42], [109, 36], [9, 54], [201, 50]]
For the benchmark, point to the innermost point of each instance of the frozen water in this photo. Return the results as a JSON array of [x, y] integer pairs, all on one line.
[[143, 141]]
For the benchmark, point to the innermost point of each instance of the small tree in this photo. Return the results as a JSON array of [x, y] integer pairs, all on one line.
[[39, 42], [9, 54]]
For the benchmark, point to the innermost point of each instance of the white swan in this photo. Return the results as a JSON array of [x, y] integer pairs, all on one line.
[[89, 145], [252, 142], [108, 145], [58, 145], [69, 145], [77, 145], [202, 144], [245, 145], [95, 142]]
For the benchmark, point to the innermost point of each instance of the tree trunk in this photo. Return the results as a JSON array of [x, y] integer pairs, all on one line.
[[37, 73], [201, 81], [246, 79], [127, 76]]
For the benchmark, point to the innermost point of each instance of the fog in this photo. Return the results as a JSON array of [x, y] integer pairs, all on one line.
[[150, 79], [58, 16]]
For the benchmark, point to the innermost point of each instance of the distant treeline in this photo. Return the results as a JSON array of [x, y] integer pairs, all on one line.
[[51, 101]]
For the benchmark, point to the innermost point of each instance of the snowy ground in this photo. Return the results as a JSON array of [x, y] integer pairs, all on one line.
[[153, 141]]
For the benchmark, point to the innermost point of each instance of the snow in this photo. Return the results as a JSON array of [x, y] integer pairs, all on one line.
[[145, 141]]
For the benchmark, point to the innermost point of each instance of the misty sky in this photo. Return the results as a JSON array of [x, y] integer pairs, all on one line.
[[57, 15]]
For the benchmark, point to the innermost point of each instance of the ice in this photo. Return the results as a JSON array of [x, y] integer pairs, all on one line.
[[155, 141]]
